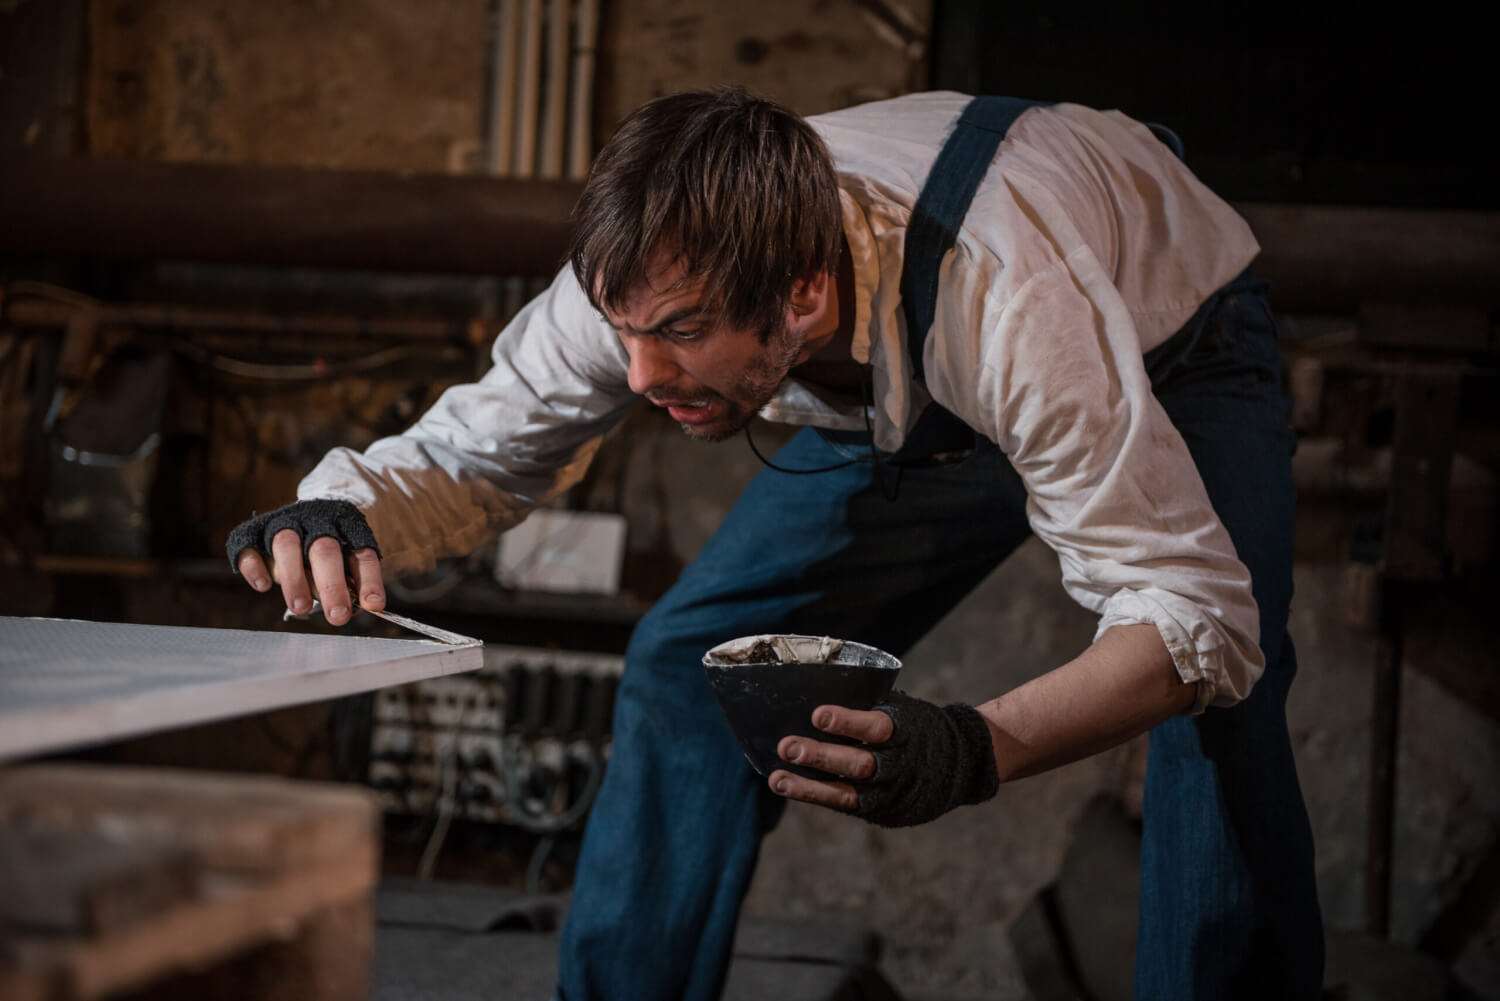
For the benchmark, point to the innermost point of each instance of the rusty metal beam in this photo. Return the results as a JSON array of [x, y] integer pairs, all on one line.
[[284, 216], [1319, 258], [1338, 258], [1413, 551], [33, 314]]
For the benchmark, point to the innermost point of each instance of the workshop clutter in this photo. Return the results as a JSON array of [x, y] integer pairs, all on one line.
[[522, 741]]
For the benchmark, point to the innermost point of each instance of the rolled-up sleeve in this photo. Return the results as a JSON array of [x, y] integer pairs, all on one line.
[[488, 452], [1056, 378]]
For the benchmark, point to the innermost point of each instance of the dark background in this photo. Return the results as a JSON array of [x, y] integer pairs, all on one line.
[[1314, 103]]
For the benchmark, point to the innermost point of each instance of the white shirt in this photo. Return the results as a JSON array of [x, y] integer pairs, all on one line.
[[1087, 244]]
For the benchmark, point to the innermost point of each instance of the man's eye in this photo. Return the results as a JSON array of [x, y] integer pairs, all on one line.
[[678, 334]]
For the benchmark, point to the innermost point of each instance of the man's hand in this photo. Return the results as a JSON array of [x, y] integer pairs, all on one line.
[[327, 541], [869, 727], [919, 761]]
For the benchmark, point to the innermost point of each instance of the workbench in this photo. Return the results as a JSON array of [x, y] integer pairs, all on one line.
[[163, 883]]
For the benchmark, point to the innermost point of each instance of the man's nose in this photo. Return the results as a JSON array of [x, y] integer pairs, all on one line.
[[651, 364]]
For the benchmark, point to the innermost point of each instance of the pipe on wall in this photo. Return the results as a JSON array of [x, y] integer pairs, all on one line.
[[285, 216], [1337, 258], [581, 113], [554, 122], [530, 85], [1318, 258], [501, 127]]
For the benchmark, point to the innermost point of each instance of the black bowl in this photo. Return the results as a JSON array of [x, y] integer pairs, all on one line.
[[766, 698]]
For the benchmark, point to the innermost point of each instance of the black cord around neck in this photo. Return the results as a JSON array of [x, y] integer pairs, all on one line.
[[888, 491], [795, 472]]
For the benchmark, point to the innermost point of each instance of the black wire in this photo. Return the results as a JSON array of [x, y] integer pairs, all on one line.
[[782, 469], [889, 492]]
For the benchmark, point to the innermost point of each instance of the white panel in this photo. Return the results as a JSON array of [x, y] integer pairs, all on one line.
[[66, 684], [579, 552]]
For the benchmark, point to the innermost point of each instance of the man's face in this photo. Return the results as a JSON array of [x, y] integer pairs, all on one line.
[[710, 377]]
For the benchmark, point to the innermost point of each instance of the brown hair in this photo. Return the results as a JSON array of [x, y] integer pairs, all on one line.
[[741, 189]]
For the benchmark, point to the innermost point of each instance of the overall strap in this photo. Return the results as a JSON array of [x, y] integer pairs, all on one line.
[[940, 208]]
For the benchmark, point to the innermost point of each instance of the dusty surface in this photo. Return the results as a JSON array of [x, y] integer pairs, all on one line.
[[338, 83], [812, 55]]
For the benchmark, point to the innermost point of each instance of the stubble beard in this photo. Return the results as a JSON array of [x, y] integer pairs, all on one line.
[[754, 389]]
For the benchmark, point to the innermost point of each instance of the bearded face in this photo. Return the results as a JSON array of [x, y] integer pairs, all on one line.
[[710, 377]]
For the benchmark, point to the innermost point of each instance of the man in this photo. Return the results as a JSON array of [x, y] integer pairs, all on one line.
[[1090, 361]]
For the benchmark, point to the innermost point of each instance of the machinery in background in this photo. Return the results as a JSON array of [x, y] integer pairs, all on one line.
[[522, 741]]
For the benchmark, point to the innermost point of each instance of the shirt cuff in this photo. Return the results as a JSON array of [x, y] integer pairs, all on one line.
[[1196, 641]]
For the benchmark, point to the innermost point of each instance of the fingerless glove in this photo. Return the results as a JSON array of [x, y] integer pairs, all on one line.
[[310, 519], [938, 758]]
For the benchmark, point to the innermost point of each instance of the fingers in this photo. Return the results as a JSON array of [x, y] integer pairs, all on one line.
[[365, 566], [253, 569], [834, 795], [867, 726], [326, 557], [329, 581], [839, 760], [286, 557], [836, 759]]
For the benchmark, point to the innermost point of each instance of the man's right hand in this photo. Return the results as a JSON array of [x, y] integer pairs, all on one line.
[[316, 548]]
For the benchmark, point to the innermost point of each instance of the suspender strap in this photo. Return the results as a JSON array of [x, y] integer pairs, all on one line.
[[940, 208]]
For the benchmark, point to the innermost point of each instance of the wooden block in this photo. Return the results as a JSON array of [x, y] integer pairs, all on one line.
[[87, 883], [241, 823], [327, 959], [274, 863], [225, 924], [28, 986]]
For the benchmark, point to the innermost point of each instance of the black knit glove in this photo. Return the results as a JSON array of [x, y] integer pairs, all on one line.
[[938, 758], [310, 519]]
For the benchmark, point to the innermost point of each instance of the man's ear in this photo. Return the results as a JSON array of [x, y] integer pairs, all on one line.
[[809, 291]]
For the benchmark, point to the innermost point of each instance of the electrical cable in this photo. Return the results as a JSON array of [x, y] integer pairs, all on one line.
[[886, 489], [235, 366], [795, 472], [891, 493], [448, 778], [562, 821], [538, 861], [314, 371]]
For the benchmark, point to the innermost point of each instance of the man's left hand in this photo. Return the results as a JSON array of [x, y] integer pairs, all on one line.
[[917, 761], [869, 727]]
